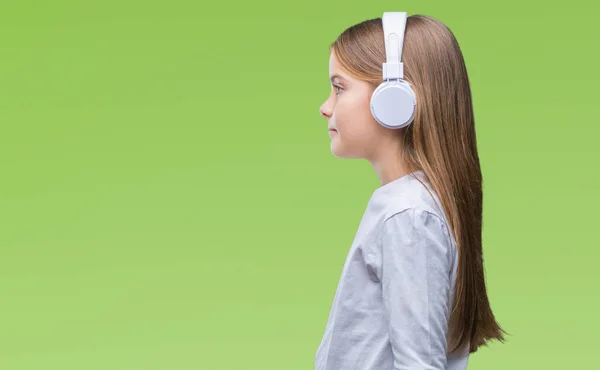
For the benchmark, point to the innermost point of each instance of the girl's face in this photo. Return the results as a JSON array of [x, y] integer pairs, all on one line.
[[347, 110]]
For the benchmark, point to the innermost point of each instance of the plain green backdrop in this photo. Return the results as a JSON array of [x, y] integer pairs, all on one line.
[[169, 199]]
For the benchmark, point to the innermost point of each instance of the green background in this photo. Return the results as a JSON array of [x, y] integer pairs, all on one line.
[[169, 199]]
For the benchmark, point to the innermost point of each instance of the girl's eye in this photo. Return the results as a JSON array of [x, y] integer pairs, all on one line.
[[338, 87]]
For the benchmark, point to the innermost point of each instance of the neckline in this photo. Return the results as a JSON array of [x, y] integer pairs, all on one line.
[[399, 180]]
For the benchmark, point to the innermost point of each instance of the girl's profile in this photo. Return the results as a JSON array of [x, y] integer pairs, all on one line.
[[412, 292]]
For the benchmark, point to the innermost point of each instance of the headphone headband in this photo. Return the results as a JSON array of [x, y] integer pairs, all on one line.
[[394, 25]]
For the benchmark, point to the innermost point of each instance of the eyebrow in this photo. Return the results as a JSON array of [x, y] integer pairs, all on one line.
[[335, 76]]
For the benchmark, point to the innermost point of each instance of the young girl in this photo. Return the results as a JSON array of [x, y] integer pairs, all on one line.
[[412, 293]]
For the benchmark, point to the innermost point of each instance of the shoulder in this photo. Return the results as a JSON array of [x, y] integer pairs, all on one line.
[[415, 230], [409, 234], [408, 211], [413, 195], [417, 205], [414, 220]]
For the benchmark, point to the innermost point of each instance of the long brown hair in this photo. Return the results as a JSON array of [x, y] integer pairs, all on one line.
[[441, 142]]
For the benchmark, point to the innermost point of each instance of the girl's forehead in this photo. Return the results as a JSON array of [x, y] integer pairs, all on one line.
[[335, 71]]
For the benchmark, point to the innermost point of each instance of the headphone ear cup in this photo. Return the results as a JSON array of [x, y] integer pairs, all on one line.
[[393, 104]]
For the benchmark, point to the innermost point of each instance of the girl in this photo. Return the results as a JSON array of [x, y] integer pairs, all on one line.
[[412, 293]]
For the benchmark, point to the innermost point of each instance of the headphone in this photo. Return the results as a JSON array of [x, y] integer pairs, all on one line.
[[393, 102]]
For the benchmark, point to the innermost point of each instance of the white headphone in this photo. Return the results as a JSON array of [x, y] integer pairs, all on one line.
[[393, 102]]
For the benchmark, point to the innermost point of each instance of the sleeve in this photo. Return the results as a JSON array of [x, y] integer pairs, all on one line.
[[415, 279]]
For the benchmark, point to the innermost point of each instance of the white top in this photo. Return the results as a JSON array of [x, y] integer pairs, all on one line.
[[396, 289]]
